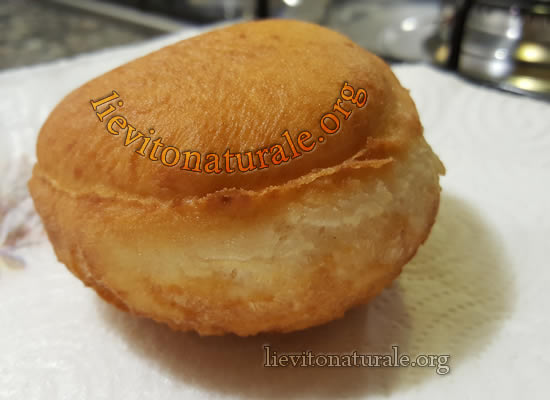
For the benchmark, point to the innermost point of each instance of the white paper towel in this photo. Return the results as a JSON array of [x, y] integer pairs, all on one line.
[[477, 290]]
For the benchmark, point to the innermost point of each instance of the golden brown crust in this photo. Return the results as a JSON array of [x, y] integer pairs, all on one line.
[[237, 88], [242, 252]]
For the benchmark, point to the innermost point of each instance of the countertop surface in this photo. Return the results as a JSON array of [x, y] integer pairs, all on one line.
[[33, 32]]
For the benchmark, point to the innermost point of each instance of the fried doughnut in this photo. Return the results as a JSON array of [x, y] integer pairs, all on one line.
[[285, 246]]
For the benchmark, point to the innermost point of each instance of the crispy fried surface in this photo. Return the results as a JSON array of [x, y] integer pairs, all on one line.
[[280, 249], [237, 88]]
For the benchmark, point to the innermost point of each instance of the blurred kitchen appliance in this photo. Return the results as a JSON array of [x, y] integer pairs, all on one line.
[[505, 43]]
